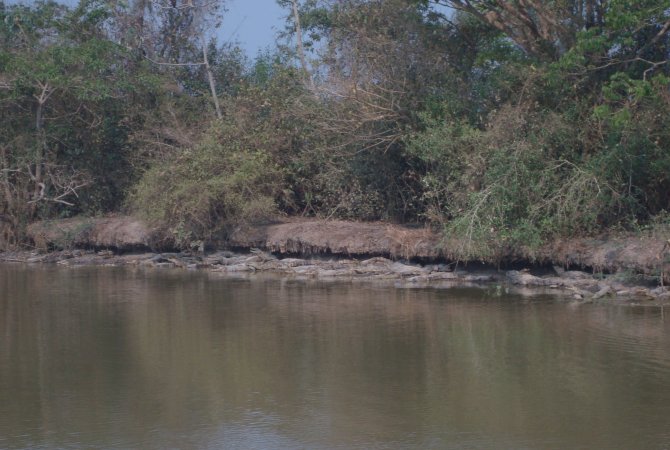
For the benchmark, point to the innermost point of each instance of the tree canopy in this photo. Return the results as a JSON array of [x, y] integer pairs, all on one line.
[[506, 122]]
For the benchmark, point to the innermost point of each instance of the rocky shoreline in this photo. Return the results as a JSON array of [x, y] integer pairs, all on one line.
[[625, 268], [577, 286]]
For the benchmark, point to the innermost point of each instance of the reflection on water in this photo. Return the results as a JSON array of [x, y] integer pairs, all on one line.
[[103, 357]]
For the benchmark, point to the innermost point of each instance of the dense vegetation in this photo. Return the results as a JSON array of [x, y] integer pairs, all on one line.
[[503, 122]]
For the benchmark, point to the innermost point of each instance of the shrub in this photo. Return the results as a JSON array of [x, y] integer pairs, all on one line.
[[513, 184], [206, 190]]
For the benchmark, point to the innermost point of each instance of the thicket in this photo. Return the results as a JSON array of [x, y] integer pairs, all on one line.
[[504, 123]]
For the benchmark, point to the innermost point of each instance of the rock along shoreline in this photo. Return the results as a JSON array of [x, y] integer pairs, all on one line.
[[347, 251], [577, 286]]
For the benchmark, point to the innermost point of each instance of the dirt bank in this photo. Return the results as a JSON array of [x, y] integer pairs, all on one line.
[[295, 237], [623, 267], [335, 237], [643, 253], [121, 233]]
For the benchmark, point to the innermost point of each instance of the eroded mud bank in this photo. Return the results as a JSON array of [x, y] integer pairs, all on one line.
[[626, 267]]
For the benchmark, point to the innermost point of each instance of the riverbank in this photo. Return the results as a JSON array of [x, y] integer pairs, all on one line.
[[577, 285], [627, 268], [645, 253]]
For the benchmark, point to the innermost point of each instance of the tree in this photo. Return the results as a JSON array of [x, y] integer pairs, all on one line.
[[544, 29], [174, 35], [63, 85], [300, 48]]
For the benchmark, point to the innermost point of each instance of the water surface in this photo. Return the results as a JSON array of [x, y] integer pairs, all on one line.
[[118, 358]]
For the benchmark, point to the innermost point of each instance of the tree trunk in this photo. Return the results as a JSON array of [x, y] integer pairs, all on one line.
[[212, 82], [42, 144], [301, 48], [590, 14], [6, 184]]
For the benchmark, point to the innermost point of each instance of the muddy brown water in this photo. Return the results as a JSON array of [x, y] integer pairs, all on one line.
[[122, 358]]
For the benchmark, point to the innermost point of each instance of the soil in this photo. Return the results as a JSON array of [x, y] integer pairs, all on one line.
[[625, 266], [336, 237], [642, 253], [122, 233]]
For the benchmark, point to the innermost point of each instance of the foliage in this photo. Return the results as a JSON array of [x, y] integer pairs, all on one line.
[[576, 144], [215, 185], [504, 123], [231, 173], [62, 101]]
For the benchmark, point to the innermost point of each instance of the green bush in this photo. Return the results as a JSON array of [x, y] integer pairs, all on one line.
[[206, 190], [513, 184]]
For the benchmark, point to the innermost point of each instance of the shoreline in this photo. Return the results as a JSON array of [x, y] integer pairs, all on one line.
[[576, 286], [622, 268]]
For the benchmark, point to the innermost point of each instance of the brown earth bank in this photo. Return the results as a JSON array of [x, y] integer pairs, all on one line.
[[625, 266]]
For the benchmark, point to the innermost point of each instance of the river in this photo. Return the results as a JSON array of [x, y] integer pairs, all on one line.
[[130, 358]]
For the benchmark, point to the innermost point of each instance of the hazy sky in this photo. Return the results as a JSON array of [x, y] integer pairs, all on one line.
[[254, 23]]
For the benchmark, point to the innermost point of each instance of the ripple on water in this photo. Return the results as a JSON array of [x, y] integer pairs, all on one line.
[[638, 336]]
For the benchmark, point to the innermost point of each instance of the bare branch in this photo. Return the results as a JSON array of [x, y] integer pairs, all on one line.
[[664, 30], [174, 64], [188, 5]]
